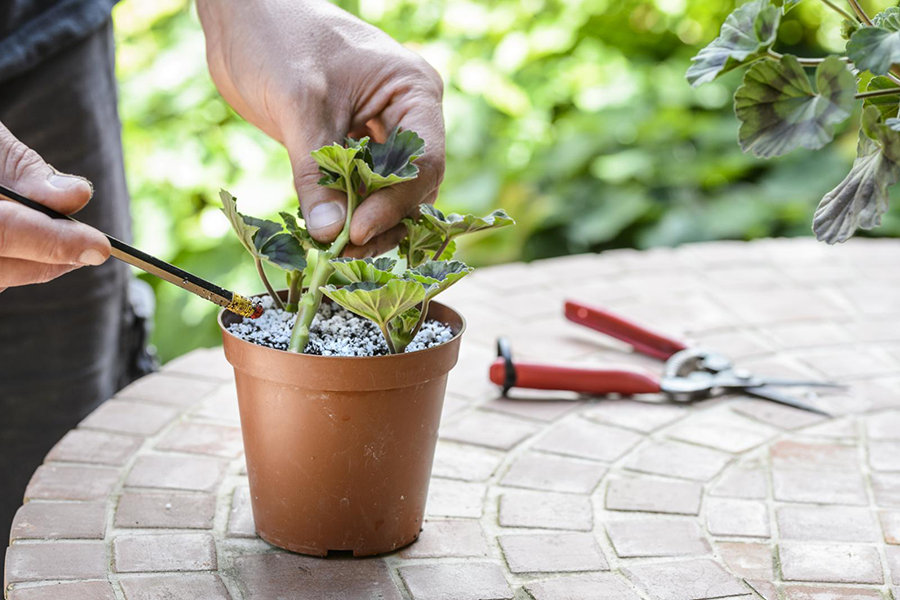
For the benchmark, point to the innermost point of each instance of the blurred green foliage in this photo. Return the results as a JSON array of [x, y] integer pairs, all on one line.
[[573, 115]]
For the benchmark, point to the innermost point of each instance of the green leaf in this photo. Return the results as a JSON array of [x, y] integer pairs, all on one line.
[[244, 230], [283, 250], [779, 110], [438, 275], [746, 36], [365, 269], [386, 164], [876, 48], [848, 28], [402, 328], [337, 163], [454, 224], [786, 5], [420, 241], [888, 106], [303, 237], [258, 236], [378, 302], [862, 197]]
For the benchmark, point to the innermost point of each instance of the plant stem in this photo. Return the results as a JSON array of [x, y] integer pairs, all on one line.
[[387, 338], [437, 255], [888, 92], [294, 289], [839, 10], [265, 280], [854, 4], [309, 303], [421, 320], [805, 62]]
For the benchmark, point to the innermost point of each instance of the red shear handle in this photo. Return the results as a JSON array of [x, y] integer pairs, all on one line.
[[643, 340], [622, 380]]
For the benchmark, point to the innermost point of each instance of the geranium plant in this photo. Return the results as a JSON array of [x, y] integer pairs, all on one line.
[[780, 109], [396, 300]]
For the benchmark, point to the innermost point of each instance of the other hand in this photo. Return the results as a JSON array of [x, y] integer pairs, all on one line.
[[33, 247], [308, 74]]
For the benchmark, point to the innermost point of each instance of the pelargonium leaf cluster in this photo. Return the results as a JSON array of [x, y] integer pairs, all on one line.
[[396, 300], [781, 108]]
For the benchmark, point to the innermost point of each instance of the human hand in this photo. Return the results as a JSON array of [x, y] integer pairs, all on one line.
[[33, 247], [308, 74]]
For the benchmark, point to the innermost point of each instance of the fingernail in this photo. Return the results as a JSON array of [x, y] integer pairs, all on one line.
[[325, 214], [369, 237], [67, 182], [91, 257]]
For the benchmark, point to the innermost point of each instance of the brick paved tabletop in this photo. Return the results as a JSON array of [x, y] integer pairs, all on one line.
[[536, 498]]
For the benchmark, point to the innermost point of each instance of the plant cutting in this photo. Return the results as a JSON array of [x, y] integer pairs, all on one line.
[[780, 109], [341, 381]]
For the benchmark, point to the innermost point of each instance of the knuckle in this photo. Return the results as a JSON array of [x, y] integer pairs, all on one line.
[[19, 160]]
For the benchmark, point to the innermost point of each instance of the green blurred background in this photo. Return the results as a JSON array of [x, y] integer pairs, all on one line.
[[573, 115]]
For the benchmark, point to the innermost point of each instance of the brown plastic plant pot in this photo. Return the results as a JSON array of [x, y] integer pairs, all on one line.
[[339, 449]]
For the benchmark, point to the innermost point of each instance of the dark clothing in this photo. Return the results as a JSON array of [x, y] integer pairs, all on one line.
[[32, 30], [68, 345]]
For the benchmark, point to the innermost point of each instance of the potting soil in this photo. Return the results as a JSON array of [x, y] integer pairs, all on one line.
[[335, 331]]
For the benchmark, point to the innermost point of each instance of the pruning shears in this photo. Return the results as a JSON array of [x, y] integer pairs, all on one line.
[[690, 373]]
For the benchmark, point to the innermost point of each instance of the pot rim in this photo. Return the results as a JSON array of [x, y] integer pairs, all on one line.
[[422, 353]]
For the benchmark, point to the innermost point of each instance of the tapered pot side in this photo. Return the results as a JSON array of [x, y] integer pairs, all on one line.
[[339, 449]]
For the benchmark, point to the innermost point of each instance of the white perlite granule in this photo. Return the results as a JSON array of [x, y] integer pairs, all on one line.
[[335, 331]]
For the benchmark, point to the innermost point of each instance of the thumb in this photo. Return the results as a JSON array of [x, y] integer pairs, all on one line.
[[23, 170], [324, 210]]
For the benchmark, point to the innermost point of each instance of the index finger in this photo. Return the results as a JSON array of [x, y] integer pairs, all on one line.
[[29, 235]]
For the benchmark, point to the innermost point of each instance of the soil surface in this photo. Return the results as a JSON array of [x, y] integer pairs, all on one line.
[[334, 332]]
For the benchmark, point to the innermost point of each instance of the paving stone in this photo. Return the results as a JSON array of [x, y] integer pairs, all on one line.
[[203, 438], [540, 471], [850, 363], [890, 524], [737, 518], [552, 553], [886, 487], [82, 590], [64, 482], [884, 425], [133, 418], [296, 577], [488, 429], [697, 579], [765, 589], [722, 430], [827, 524], [449, 539], [748, 560], [657, 537], [178, 510], [57, 561], [893, 560], [468, 581], [774, 306], [586, 439], [676, 459], [163, 388], [464, 461], [830, 563], [96, 447], [60, 520], [807, 335], [176, 472], [546, 510], [240, 519], [453, 405], [777, 415], [537, 408], [164, 552], [825, 592], [747, 481], [834, 428], [736, 344], [792, 454], [186, 586], [449, 498], [819, 486], [884, 456], [596, 586], [209, 363], [634, 414], [654, 495], [221, 405]]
